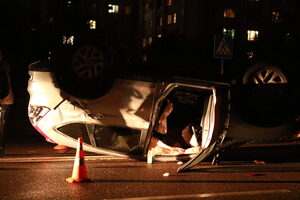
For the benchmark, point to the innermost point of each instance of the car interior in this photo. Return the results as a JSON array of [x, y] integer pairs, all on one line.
[[189, 111]]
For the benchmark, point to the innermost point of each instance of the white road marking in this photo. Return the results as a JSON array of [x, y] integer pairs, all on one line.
[[56, 159], [207, 195]]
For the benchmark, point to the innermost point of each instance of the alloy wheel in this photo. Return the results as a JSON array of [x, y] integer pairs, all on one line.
[[88, 62]]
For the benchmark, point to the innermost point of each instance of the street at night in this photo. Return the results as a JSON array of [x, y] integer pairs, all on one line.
[[149, 99], [39, 172]]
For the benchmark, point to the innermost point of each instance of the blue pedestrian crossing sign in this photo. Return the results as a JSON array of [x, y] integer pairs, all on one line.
[[223, 47]]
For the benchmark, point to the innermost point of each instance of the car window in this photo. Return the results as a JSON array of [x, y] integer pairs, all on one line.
[[76, 130], [121, 139]]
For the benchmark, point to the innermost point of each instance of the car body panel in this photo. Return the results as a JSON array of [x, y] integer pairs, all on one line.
[[128, 103], [122, 107]]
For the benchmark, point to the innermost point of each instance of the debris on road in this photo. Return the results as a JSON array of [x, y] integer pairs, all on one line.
[[166, 174], [258, 162], [255, 174], [179, 163]]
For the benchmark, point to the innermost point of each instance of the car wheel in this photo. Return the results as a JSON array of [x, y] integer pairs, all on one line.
[[264, 73], [83, 71], [88, 62], [268, 105]]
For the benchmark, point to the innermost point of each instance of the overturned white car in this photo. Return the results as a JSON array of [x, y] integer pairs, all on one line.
[[205, 118]]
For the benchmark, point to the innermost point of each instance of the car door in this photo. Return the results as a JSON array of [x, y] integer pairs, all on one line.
[[212, 110]]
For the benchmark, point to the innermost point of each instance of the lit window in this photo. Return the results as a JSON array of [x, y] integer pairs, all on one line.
[[229, 13], [68, 40], [170, 19], [145, 42], [149, 40], [49, 55], [276, 17], [160, 21], [127, 10], [252, 35], [113, 8], [144, 58], [51, 20], [150, 23], [174, 18], [169, 2], [92, 24], [290, 37], [250, 54], [229, 32], [69, 3], [148, 7]]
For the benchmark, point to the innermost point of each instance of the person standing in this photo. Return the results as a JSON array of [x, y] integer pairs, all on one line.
[[6, 99]]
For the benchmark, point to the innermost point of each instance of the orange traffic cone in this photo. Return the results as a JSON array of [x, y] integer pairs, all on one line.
[[79, 174]]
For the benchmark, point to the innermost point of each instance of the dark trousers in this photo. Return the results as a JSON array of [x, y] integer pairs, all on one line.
[[4, 111]]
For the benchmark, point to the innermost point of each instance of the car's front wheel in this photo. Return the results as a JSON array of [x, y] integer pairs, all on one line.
[[84, 71]]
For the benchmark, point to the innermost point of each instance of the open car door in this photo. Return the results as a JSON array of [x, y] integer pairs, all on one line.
[[203, 104]]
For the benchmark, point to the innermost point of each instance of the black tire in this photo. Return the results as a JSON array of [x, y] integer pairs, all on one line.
[[83, 71], [266, 106], [264, 73]]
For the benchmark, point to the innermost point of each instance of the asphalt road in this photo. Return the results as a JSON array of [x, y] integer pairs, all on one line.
[[36, 171], [45, 178]]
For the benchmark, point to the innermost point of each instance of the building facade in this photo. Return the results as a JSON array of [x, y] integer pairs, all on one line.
[[168, 32]]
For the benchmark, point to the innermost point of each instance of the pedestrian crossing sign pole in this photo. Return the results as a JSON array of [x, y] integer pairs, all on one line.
[[223, 49]]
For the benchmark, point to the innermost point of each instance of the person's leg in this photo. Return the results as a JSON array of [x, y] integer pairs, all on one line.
[[4, 109]]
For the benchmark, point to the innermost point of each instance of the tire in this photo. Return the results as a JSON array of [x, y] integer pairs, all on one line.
[[264, 73], [266, 105], [83, 71]]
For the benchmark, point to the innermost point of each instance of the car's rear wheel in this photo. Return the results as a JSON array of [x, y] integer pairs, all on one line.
[[84, 71], [263, 102], [264, 73]]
